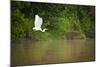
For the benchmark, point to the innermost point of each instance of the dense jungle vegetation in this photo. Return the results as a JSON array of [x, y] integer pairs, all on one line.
[[57, 18]]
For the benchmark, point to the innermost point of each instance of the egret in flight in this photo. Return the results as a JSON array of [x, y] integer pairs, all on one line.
[[38, 23]]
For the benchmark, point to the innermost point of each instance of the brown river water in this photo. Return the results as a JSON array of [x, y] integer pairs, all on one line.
[[52, 51]]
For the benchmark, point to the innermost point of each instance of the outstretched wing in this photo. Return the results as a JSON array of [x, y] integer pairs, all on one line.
[[38, 21]]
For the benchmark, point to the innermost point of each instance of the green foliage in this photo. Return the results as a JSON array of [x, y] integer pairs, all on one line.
[[58, 19]]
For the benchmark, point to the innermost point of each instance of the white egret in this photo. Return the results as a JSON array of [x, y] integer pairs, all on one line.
[[38, 23]]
